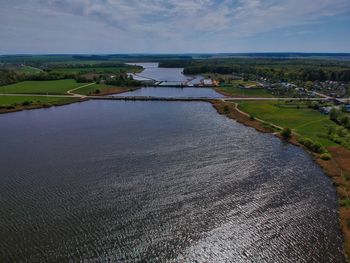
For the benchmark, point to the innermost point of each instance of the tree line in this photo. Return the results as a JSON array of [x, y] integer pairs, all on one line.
[[273, 69]]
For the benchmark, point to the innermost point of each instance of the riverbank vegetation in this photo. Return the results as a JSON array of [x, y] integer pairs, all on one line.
[[102, 89], [18, 103]]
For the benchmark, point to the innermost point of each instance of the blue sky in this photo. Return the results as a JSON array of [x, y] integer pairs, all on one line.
[[173, 26]]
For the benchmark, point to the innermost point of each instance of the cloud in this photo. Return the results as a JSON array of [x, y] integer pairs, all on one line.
[[151, 24]]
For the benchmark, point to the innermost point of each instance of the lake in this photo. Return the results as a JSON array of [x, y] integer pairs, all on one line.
[[118, 181], [166, 76], [171, 92]]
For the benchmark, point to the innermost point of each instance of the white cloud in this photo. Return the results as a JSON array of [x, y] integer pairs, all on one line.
[[124, 25]]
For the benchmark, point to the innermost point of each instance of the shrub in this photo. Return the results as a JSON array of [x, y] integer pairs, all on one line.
[[312, 146], [334, 114], [345, 121], [345, 202], [46, 105], [325, 156], [226, 109], [286, 133], [97, 91], [26, 103], [346, 176]]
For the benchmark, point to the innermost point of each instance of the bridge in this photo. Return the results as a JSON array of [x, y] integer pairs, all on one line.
[[152, 98]]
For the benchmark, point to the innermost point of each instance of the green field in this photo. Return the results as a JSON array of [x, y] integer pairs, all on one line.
[[241, 92], [41, 87], [99, 70], [15, 103], [243, 83], [10, 100], [101, 87], [29, 70], [305, 122]]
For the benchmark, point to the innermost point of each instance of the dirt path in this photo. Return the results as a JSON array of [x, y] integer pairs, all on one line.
[[70, 92]]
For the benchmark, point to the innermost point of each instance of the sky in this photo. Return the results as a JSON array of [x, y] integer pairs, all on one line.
[[173, 26]]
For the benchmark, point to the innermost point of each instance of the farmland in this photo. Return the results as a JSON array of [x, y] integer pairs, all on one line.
[[235, 91], [41, 87], [304, 121], [100, 89], [96, 70]]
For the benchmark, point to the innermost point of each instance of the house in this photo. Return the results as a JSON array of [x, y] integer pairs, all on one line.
[[207, 82], [325, 110]]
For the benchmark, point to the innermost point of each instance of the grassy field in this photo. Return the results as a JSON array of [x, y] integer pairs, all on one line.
[[30, 70], [102, 88], [41, 87], [243, 83], [306, 122], [99, 70], [10, 100], [240, 92], [15, 103]]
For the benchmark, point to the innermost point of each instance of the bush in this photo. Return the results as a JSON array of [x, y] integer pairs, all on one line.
[[286, 133], [346, 176], [312, 146], [345, 121], [26, 103], [46, 105], [97, 91], [226, 109], [334, 114], [325, 156], [345, 202]]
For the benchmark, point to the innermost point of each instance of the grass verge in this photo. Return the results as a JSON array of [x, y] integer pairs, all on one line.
[[18, 103]]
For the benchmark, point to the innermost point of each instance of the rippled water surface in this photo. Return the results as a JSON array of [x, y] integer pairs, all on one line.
[[107, 181], [169, 92], [168, 76]]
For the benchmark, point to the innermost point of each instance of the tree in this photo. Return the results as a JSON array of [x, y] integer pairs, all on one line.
[[286, 133], [345, 121], [334, 114]]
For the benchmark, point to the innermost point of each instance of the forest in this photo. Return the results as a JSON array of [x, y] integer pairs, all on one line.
[[275, 69]]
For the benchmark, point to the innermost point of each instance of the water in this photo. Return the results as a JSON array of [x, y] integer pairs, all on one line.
[[168, 76], [108, 181], [168, 92]]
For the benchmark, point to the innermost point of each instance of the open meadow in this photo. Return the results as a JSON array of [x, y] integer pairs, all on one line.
[[235, 91], [304, 121], [41, 87]]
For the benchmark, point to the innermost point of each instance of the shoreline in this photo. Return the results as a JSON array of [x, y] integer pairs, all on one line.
[[42, 106], [111, 91], [76, 98], [332, 168]]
